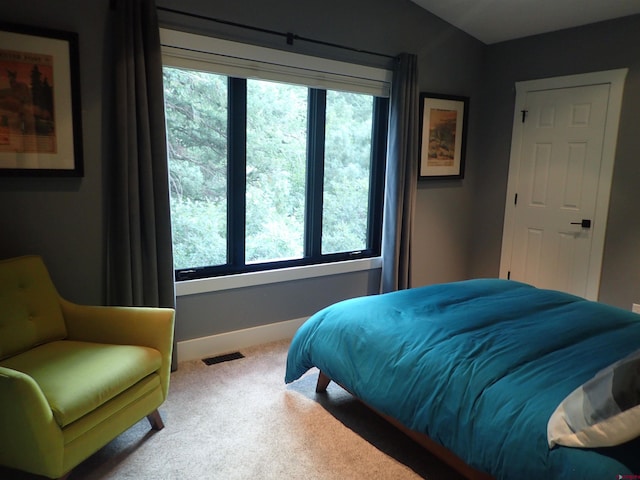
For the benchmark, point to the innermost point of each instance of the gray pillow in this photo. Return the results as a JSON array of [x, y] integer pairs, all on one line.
[[603, 412]]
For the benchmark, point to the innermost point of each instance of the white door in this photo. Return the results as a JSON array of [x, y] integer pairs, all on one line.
[[560, 176]]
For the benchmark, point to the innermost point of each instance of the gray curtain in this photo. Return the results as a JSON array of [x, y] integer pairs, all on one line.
[[401, 175], [139, 250]]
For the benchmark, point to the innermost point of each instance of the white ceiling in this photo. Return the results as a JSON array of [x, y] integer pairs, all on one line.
[[492, 21]]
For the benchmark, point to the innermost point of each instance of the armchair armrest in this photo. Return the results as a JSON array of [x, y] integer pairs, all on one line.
[[144, 326], [29, 434]]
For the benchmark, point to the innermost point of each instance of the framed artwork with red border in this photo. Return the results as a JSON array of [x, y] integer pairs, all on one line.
[[40, 114]]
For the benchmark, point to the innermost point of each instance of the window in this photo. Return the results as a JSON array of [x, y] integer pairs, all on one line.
[[270, 171]]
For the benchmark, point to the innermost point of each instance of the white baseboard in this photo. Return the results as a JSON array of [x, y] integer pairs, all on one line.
[[213, 345]]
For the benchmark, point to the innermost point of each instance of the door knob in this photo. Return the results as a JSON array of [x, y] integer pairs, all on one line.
[[585, 223]]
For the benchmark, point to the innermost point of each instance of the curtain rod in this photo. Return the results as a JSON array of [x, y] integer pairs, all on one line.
[[289, 36]]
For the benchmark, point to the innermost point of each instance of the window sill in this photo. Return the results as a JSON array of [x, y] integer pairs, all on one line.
[[216, 284]]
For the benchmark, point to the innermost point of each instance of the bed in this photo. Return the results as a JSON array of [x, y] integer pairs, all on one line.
[[477, 369]]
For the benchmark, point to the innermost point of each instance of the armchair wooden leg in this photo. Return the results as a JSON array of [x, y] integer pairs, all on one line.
[[155, 420]]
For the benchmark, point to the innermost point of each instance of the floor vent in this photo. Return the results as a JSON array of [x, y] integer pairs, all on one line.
[[223, 358]]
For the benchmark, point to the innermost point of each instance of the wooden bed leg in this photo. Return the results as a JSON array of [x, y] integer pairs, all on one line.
[[155, 420], [323, 382]]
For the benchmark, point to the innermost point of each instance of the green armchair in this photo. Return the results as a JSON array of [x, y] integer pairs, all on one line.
[[73, 377]]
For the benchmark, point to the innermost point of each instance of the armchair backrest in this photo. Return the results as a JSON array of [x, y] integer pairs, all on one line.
[[30, 312]]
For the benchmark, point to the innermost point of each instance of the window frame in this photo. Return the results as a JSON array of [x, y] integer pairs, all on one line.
[[187, 51]]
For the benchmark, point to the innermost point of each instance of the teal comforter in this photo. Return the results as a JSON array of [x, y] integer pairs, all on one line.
[[479, 366]]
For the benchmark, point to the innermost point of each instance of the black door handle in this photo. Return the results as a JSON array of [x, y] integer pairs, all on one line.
[[584, 223]]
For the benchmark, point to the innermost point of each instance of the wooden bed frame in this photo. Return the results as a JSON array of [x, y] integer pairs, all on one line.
[[436, 449]]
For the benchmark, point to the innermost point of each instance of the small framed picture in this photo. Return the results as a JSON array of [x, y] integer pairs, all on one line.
[[443, 122], [40, 124]]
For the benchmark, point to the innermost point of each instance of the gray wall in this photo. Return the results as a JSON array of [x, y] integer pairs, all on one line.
[[64, 220], [449, 62], [218, 312], [602, 46], [458, 223]]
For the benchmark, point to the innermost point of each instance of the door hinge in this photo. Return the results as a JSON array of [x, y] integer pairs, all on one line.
[[524, 114], [515, 200], [509, 275]]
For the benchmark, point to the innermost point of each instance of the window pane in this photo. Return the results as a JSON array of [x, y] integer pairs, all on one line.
[[276, 170], [347, 172], [196, 111]]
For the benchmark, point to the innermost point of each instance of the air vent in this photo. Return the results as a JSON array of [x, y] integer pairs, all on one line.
[[223, 358]]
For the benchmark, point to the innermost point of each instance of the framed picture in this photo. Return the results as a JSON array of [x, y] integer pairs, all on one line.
[[40, 124], [443, 122]]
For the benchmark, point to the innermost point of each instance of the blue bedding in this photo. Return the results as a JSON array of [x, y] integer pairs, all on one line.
[[479, 366]]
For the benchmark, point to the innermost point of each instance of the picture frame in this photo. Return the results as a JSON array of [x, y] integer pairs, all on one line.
[[443, 131], [40, 114]]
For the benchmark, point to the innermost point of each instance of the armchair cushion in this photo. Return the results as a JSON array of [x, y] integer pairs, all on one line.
[[30, 306], [78, 377]]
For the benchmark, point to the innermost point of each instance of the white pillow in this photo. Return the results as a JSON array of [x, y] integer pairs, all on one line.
[[603, 412]]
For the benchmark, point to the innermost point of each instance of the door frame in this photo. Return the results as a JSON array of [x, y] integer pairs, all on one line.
[[615, 79]]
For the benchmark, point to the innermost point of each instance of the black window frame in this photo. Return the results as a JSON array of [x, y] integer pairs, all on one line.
[[236, 188]]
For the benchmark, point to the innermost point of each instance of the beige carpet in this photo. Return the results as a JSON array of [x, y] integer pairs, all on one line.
[[238, 420]]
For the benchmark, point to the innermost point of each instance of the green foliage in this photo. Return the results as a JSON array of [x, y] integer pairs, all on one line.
[[199, 232], [347, 172], [276, 170], [196, 110]]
